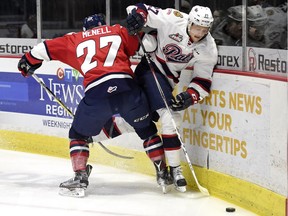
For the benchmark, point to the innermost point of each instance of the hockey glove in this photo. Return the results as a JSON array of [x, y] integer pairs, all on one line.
[[185, 99], [27, 65], [135, 21]]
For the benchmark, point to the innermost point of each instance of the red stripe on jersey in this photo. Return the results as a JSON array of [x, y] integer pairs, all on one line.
[[105, 132], [115, 126], [32, 60], [167, 71], [205, 84]]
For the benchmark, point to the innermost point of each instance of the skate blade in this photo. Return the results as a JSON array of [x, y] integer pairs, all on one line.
[[76, 192], [165, 188], [181, 189]]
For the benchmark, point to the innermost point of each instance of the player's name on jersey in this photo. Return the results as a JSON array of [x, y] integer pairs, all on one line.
[[96, 31]]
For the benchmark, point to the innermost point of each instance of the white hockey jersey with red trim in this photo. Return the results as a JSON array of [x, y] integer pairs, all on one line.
[[175, 50]]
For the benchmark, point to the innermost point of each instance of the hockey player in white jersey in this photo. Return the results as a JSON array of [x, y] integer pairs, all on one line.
[[183, 41]]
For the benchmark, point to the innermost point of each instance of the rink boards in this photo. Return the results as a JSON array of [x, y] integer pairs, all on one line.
[[236, 138]]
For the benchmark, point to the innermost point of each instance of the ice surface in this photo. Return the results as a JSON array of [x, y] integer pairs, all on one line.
[[29, 186]]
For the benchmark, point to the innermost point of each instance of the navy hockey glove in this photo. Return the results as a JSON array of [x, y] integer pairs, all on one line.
[[135, 21], [185, 99], [27, 65]]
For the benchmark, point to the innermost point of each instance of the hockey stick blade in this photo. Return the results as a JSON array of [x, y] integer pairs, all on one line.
[[201, 188], [113, 153], [204, 190]]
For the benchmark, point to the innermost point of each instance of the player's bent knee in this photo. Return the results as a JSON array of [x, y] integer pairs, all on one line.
[[146, 132]]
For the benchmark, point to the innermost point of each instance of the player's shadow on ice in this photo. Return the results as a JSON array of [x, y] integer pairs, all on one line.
[[104, 187]]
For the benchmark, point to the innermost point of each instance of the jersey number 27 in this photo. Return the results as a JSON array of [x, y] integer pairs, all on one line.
[[90, 45]]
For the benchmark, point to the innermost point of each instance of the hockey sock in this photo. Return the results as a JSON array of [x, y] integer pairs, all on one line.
[[79, 154], [172, 148], [154, 149]]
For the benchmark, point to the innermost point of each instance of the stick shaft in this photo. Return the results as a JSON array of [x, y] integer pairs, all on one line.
[[53, 95]]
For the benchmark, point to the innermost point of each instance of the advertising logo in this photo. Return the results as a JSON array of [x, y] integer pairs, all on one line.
[[252, 59], [67, 74], [60, 73], [261, 60]]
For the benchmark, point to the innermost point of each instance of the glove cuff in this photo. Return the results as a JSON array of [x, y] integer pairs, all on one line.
[[32, 60], [142, 10], [143, 13], [194, 95]]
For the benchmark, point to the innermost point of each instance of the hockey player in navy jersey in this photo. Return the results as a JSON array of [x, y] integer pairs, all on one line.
[[183, 40]]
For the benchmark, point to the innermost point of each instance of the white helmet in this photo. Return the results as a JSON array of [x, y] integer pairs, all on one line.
[[201, 16]]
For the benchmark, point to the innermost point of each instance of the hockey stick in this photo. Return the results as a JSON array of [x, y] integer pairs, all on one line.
[[90, 140], [202, 189]]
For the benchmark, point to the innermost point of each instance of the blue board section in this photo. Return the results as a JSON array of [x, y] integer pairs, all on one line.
[[13, 91], [26, 95]]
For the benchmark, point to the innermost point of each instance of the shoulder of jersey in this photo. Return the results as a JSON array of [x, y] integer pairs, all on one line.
[[71, 33], [208, 46], [176, 17], [175, 13], [118, 26]]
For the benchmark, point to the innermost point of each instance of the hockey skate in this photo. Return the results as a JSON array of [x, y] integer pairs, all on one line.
[[178, 179], [76, 186], [163, 177]]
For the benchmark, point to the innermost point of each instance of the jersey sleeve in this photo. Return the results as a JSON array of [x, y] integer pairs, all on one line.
[[130, 42], [156, 17], [150, 43], [203, 68], [54, 49], [57, 47], [202, 78], [40, 52]]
